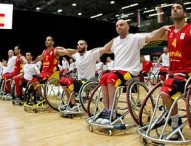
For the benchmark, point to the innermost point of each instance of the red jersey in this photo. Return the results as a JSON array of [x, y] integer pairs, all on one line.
[[18, 64], [179, 45], [147, 65], [50, 62]]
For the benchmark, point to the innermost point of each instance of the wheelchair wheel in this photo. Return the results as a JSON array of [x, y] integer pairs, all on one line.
[[2, 86], [84, 93], [135, 93], [148, 105], [28, 95], [152, 78], [13, 92], [95, 100], [53, 93], [188, 106]]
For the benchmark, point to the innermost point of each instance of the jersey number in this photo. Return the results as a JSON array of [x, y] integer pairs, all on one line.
[[46, 58], [174, 43]]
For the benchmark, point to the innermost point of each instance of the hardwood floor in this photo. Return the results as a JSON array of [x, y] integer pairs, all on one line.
[[20, 128]]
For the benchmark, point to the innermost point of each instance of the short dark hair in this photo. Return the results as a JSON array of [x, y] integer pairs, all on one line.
[[180, 3], [18, 46], [30, 53], [51, 37]]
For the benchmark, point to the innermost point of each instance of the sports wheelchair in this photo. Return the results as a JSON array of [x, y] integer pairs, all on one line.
[[127, 100], [57, 99], [3, 94], [155, 121], [34, 104], [81, 97]]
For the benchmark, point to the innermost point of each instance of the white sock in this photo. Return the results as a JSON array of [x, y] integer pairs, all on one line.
[[175, 120]]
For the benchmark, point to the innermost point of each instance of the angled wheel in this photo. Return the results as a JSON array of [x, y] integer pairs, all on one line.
[[53, 93], [95, 101], [188, 107], [13, 90], [29, 93], [147, 106], [84, 93], [135, 94]]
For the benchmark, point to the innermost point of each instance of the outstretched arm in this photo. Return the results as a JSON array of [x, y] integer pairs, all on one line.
[[106, 48], [39, 58], [23, 60], [157, 34], [61, 51]]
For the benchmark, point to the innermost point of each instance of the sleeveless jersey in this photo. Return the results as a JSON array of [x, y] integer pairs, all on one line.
[[18, 65], [50, 61], [165, 59], [179, 45]]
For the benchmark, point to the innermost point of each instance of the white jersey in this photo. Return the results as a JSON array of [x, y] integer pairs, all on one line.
[[65, 64], [4, 69], [29, 70], [72, 66], [127, 53], [110, 65], [105, 67], [1, 68], [86, 64], [10, 64], [99, 67], [39, 64], [165, 59]]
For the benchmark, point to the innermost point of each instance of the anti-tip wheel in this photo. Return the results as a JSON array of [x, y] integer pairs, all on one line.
[[90, 128], [35, 110], [144, 141], [109, 132]]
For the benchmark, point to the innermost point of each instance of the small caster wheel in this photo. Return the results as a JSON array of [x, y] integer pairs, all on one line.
[[109, 132], [90, 128], [144, 141], [148, 118], [158, 144], [161, 108], [65, 115], [35, 110], [13, 102]]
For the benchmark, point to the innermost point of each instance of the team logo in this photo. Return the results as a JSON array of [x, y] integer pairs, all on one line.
[[182, 36]]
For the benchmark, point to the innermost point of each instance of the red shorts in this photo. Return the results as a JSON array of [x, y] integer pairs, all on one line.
[[174, 86], [44, 76], [163, 69], [9, 75], [113, 78], [66, 81], [73, 85]]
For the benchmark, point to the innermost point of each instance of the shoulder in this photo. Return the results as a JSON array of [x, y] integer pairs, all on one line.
[[44, 51], [139, 35], [75, 55]]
